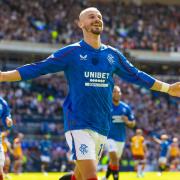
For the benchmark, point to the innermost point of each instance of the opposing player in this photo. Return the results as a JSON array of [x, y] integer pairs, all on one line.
[[7, 122], [174, 154], [165, 144], [122, 116], [7, 150], [18, 153], [89, 66], [139, 149]]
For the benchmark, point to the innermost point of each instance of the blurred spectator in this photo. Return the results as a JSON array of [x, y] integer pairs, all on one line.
[[126, 26]]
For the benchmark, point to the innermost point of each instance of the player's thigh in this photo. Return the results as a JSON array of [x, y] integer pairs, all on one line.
[[85, 144], [77, 173], [17, 160], [2, 157], [120, 146], [7, 160], [113, 158], [115, 146], [87, 168]]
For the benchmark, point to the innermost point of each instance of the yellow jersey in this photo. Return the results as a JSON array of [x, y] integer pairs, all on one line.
[[17, 150], [174, 150], [137, 146]]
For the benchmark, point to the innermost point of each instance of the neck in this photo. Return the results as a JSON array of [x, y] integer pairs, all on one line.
[[93, 40], [116, 103]]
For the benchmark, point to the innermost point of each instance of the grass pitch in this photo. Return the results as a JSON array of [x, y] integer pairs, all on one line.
[[123, 176]]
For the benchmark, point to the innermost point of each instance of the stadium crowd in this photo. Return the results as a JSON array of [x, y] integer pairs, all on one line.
[[126, 26], [37, 105]]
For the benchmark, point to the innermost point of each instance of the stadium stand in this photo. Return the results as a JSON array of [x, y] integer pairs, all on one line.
[[37, 104]]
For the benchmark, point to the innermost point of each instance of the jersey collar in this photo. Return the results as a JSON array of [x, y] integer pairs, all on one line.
[[87, 46]]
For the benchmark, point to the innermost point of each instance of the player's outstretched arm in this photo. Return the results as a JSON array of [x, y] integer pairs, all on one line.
[[127, 71], [157, 140], [171, 89], [58, 61], [10, 76]]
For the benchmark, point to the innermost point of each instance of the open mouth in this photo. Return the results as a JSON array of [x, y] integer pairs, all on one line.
[[97, 25]]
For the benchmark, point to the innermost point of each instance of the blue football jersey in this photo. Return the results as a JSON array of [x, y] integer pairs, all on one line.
[[89, 74], [45, 147], [4, 111], [164, 148], [118, 127]]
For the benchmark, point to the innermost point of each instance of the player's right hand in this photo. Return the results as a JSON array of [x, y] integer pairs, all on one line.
[[9, 122], [125, 119], [174, 89]]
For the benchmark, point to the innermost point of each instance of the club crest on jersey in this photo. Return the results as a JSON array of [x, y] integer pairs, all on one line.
[[110, 59], [83, 149], [83, 58]]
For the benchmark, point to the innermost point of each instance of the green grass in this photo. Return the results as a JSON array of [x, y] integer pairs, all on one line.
[[123, 176]]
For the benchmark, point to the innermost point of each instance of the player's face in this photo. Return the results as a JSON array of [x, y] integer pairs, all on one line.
[[164, 137], [20, 136], [91, 22], [116, 94], [139, 132]]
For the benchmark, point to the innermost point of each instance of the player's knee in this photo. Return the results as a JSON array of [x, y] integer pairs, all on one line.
[[90, 176]]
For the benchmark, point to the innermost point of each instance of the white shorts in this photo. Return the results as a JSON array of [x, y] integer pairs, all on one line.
[[115, 146], [85, 144], [2, 156], [45, 159], [162, 160]]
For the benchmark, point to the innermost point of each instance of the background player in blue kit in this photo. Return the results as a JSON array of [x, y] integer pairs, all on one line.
[[122, 116], [7, 122], [45, 149], [89, 66], [163, 156]]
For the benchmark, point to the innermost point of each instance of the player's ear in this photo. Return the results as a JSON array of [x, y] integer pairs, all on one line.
[[80, 24]]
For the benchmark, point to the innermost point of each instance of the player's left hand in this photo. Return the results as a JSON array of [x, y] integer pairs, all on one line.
[[174, 89], [9, 122], [125, 119]]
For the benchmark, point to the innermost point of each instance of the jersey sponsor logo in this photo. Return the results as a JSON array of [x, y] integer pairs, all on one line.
[[96, 79], [98, 75], [96, 85], [83, 149], [110, 59], [83, 58], [117, 119]]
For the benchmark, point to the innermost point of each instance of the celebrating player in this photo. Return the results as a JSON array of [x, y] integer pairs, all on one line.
[[122, 116], [7, 122], [139, 149], [89, 66]]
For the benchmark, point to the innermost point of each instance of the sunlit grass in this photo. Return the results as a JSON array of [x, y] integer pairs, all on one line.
[[123, 176]]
